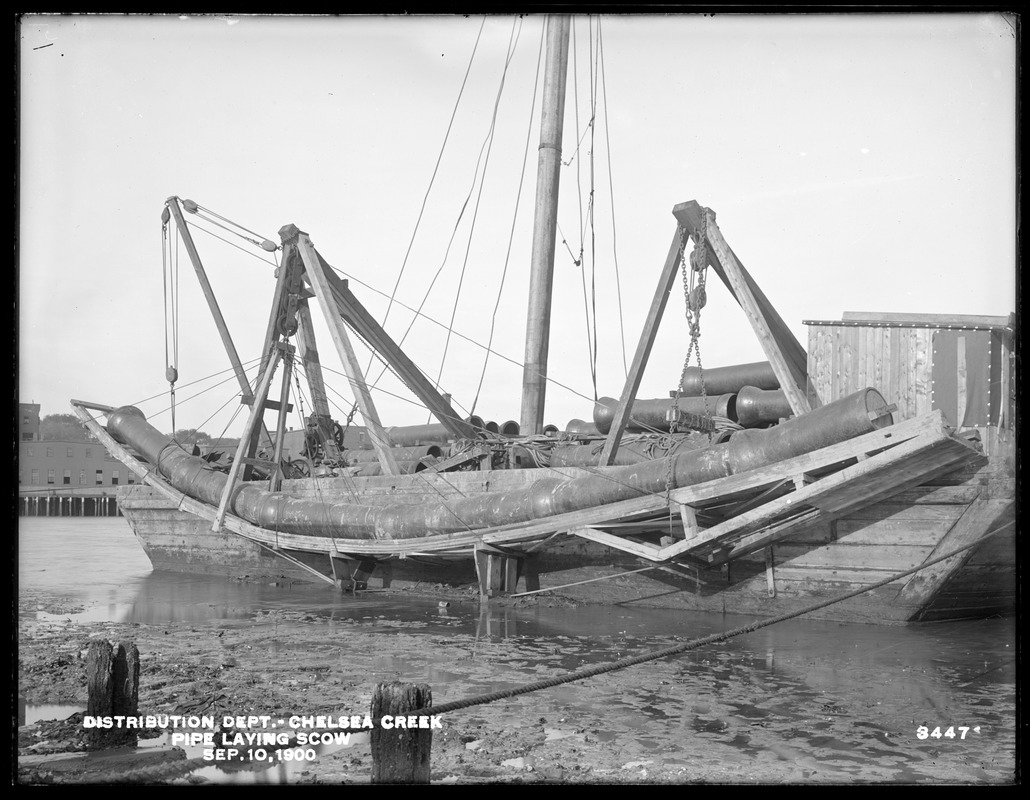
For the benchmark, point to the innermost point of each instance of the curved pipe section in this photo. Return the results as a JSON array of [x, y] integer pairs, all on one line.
[[747, 449]]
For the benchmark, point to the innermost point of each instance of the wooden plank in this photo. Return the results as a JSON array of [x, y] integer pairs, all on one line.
[[647, 336], [929, 320], [894, 558], [923, 361], [812, 577], [317, 277], [372, 332], [776, 533], [641, 549], [895, 477], [879, 374], [812, 494], [893, 345], [780, 346], [899, 511], [209, 295], [892, 532], [978, 519]]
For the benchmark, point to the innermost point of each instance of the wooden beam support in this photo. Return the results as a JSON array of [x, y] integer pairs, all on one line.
[[781, 347], [256, 412], [172, 203], [319, 282], [643, 352], [689, 517], [357, 316]]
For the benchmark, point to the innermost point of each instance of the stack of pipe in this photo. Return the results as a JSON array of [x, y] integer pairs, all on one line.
[[746, 394]]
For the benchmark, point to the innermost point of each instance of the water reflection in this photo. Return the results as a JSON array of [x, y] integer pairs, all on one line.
[[838, 701]]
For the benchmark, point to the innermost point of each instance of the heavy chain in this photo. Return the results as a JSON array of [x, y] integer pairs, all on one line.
[[695, 297]]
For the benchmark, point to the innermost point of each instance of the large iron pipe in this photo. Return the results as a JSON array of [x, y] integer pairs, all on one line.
[[589, 455], [861, 412], [400, 453], [761, 406], [723, 380], [653, 414], [580, 427], [410, 435]]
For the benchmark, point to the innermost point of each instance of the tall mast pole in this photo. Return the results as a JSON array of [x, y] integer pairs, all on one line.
[[545, 225]]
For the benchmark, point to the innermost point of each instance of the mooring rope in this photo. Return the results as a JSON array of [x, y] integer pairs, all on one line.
[[693, 644], [164, 771]]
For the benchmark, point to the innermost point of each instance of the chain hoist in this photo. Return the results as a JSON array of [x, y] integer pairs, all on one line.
[[695, 298], [170, 280]]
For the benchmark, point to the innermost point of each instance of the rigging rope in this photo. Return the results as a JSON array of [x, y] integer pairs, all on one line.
[[488, 146], [511, 234], [432, 179], [611, 197]]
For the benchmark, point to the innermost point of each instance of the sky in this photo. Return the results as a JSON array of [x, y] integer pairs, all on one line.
[[858, 162]]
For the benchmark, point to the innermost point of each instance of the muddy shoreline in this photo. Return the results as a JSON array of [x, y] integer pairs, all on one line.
[[703, 718]]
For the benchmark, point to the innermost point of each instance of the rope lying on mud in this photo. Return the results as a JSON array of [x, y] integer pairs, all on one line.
[[654, 655], [166, 771]]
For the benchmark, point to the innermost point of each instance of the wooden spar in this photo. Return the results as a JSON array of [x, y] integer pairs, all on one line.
[[272, 334], [275, 480], [172, 203], [545, 226], [372, 332], [781, 348], [647, 337], [313, 371], [291, 270], [256, 411], [320, 285]]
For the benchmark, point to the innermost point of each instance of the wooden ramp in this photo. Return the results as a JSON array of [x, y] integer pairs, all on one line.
[[725, 519]]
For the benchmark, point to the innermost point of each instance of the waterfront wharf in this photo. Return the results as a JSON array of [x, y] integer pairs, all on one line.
[[93, 501]]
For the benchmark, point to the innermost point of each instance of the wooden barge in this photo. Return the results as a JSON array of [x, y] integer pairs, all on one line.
[[761, 541]]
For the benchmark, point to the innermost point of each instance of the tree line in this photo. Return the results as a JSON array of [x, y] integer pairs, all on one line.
[[68, 428]]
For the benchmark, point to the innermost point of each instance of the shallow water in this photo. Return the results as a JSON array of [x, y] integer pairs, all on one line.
[[838, 702]]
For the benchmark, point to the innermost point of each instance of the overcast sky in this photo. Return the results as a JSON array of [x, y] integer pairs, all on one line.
[[855, 162]]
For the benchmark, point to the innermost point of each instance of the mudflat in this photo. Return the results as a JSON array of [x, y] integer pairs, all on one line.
[[723, 714]]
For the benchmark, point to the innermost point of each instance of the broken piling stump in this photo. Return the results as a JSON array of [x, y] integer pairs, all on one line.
[[112, 680], [400, 755]]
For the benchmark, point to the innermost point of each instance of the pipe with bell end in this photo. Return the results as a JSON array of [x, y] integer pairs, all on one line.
[[580, 427], [727, 380], [654, 414], [761, 406]]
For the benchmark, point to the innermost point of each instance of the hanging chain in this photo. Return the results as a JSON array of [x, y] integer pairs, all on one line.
[[169, 276], [695, 297]]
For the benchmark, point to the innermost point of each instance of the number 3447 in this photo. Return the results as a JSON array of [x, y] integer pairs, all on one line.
[[923, 732]]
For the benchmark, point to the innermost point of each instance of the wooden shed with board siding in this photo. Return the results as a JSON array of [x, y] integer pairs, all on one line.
[[963, 365]]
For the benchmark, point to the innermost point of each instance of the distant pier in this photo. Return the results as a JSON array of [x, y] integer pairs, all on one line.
[[98, 502]]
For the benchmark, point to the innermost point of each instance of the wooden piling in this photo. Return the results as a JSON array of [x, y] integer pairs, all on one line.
[[112, 681], [400, 755]]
